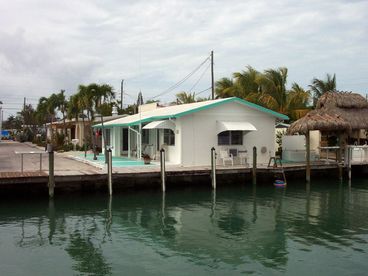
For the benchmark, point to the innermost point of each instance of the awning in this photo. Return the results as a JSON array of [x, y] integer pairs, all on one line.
[[160, 124], [229, 126]]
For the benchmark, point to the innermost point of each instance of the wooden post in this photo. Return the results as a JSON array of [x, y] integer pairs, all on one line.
[[349, 161], [308, 166], [21, 162], [50, 150], [163, 171], [109, 170], [40, 162], [254, 170], [339, 159], [213, 167]]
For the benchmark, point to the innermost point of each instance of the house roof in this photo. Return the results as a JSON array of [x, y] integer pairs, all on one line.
[[178, 111], [73, 121], [335, 112]]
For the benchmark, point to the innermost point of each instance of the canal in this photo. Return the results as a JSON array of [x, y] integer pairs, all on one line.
[[316, 229]]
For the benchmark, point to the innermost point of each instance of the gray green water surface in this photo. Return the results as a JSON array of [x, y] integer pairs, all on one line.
[[321, 229]]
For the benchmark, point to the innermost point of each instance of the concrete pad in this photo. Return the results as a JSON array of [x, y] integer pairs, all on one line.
[[11, 162]]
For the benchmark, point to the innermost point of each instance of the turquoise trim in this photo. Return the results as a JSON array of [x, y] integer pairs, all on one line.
[[179, 115]]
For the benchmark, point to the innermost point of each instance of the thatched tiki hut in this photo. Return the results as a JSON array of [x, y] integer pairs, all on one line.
[[342, 114]]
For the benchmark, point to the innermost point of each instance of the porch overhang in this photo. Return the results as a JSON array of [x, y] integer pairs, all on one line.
[[160, 124], [232, 126]]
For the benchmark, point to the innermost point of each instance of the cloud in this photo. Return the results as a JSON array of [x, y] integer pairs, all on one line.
[[48, 45]]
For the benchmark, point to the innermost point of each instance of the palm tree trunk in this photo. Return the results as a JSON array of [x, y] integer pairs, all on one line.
[[93, 139], [64, 127]]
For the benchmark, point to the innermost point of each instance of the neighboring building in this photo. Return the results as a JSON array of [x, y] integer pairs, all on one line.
[[280, 129], [79, 130], [188, 132], [341, 117], [74, 129]]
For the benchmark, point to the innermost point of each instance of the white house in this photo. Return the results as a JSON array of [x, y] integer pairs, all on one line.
[[188, 132]]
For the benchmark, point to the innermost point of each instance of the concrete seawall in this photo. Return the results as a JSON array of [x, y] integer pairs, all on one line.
[[32, 185], [72, 176]]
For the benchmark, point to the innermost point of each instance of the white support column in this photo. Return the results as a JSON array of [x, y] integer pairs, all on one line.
[[103, 143], [140, 142], [137, 144], [116, 134], [128, 142]]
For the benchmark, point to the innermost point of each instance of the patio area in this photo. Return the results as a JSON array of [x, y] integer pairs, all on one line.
[[117, 161]]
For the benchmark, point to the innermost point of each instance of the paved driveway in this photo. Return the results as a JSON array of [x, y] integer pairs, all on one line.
[[11, 162]]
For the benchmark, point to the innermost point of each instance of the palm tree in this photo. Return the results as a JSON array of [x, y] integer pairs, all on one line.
[[29, 116], [297, 102], [244, 84], [74, 107], [51, 105], [184, 97], [224, 88], [319, 87], [273, 92], [267, 89], [42, 116], [91, 98], [61, 104]]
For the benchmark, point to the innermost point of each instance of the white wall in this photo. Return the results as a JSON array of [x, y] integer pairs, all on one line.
[[294, 146], [315, 140], [174, 152], [199, 133]]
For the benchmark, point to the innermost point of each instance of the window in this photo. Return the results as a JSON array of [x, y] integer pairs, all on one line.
[[230, 138], [169, 137]]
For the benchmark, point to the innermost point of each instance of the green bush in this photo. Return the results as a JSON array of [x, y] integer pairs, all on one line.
[[21, 137], [67, 147], [59, 139]]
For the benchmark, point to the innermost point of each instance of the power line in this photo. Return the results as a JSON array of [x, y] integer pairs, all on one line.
[[171, 88], [195, 84], [200, 92]]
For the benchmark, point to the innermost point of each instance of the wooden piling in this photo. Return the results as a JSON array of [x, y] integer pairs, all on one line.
[[163, 170], [254, 170], [51, 183], [109, 170], [349, 161], [213, 167], [308, 165], [339, 157]]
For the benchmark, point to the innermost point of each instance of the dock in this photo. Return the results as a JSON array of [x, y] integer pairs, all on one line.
[[73, 175]]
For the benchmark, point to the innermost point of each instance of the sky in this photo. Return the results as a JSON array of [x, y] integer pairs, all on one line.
[[48, 45]]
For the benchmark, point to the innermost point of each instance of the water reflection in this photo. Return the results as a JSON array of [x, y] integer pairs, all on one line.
[[231, 228]]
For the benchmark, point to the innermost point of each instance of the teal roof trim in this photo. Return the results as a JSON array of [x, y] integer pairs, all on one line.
[[179, 115], [234, 99], [263, 109]]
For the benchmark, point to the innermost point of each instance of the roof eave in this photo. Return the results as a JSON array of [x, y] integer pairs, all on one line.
[[182, 114]]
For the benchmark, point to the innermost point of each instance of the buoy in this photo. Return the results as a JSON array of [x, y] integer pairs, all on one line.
[[279, 183]]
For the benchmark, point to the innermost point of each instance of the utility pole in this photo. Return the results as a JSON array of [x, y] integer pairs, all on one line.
[[121, 90], [24, 109], [212, 78]]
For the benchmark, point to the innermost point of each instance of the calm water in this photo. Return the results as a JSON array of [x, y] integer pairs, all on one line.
[[316, 230]]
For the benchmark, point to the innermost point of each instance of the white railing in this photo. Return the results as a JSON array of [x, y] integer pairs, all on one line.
[[328, 149], [295, 155], [356, 154]]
